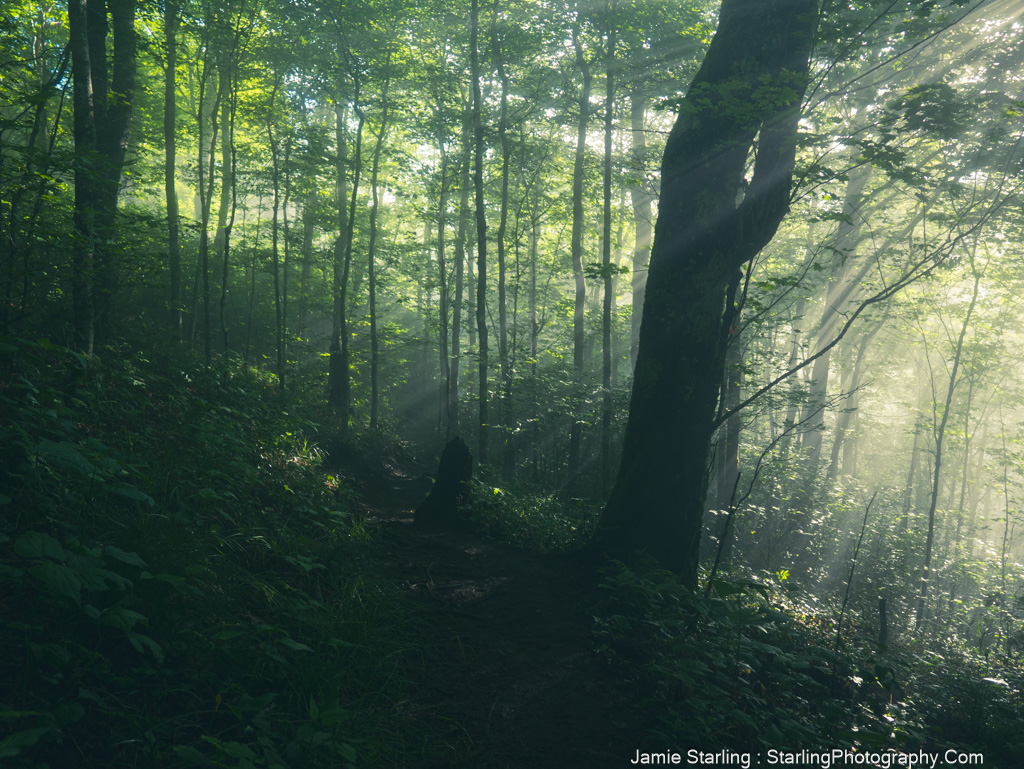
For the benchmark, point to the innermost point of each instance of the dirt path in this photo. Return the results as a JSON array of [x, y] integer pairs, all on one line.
[[510, 672]]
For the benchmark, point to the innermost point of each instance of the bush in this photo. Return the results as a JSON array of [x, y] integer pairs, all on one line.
[[180, 582]]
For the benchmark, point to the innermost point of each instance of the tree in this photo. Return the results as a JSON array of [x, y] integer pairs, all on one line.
[[750, 86], [103, 99]]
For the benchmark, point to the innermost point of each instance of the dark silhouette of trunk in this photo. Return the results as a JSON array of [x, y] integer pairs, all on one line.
[[481, 224], [641, 200], [171, 23], [759, 55], [576, 249], [103, 107], [454, 472]]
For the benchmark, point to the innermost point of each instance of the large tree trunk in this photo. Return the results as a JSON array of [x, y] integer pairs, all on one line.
[[103, 107], [759, 56]]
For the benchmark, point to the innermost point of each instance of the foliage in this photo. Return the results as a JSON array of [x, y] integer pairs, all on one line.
[[181, 586], [542, 522], [756, 664]]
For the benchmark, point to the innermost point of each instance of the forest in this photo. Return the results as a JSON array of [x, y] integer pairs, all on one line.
[[704, 315]]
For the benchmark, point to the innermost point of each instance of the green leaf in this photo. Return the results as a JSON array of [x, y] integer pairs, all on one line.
[[94, 578], [36, 544], [64, 455], [130, 492], [118, 554], [228, 635], [191, 755], [237, 750], [121, 618], [13, 744], [59, 579], [142, 642], [10, 573], [291, 643]]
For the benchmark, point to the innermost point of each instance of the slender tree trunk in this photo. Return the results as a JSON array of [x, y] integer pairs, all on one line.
[[606, 266], [308, 230], [205, 203], [576, 248], [443, 305], [275, 152], [481, 225], [843, 441], [339, 384], [285, 228], [230, 193], [940, 435], [845, 241], [171, 22], [703, 236], [460, 266], [371, 250], [641, 199], [503, 354], [220, 241]]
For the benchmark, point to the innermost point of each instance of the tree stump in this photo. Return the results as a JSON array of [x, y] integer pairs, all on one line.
[[453, 473]]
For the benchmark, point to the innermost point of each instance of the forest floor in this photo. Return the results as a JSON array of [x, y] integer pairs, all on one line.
[[510, 675]]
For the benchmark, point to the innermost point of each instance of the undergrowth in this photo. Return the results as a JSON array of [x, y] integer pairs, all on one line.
[[753, 666], [541, 522], [179, 584]]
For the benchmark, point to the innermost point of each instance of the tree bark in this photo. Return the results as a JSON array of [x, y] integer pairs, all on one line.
[[641, 200], [460, 268], [576, 249], [481, 225], [606, 266], [171, 22], [845, 246], [371, 246], [759, 58], [103, 107], [500, 249], [940, 435]]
